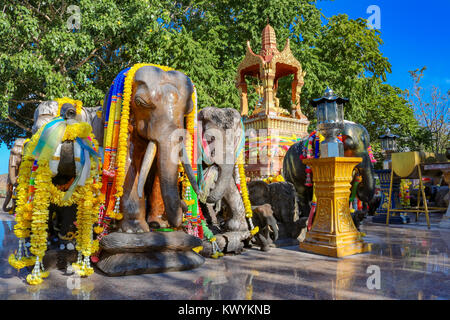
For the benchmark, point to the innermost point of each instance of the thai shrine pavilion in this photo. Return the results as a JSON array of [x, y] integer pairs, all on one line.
[[270, 128]]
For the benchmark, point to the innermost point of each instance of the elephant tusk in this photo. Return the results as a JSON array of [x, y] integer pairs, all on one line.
[[146, 166]]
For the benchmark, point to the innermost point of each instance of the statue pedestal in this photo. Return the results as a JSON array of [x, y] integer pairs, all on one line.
[[333, 232], [268, 137], [381, 213], [150, 252]]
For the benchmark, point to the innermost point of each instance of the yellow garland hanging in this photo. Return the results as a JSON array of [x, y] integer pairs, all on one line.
[[78, 104], [244, 191]]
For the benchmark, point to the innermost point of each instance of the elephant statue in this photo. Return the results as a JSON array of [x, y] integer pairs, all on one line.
[[268, 229], [64, 169], [158, 105], [220, 137], [282, 198], [356, 142]]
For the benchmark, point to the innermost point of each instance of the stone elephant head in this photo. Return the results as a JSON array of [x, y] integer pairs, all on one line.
[[159, 102], [220, 131]]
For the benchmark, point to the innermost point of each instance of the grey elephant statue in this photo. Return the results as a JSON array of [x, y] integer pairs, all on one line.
[[221, 137], [356, 142]]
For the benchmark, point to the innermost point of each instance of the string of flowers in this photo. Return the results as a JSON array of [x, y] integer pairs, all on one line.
[[244, 191], [36, 192]]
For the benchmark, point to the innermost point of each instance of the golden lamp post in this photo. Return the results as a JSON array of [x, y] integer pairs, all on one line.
[[333, 232]]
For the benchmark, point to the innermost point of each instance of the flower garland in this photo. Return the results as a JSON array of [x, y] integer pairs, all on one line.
[[245, 196], [271, 179], [36, 192], [311, 150], [77, 103]]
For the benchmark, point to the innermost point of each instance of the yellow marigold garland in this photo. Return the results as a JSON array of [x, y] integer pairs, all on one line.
[[77, 130], [245, 197]]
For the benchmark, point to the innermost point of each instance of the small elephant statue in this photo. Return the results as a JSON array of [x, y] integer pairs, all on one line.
[[282, 198], [268, 229]]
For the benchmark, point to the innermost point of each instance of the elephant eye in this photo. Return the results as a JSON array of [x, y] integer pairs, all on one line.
[[142, 103]]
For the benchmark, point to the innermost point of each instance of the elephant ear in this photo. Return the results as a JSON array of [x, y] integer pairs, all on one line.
[[237, 128]]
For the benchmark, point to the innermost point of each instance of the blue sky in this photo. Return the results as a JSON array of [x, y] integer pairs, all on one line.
[[416, 33]]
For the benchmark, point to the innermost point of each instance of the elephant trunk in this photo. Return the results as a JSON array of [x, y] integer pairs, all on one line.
[[366, 189], [168, 174], [147, 162], [222, 183]]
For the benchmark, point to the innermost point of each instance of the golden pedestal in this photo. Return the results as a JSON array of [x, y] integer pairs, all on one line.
[[333, 232]]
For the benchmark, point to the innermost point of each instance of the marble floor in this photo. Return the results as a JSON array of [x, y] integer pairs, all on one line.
[[412, 260]]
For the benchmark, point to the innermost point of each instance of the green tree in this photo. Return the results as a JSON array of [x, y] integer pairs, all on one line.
[[41, 59]]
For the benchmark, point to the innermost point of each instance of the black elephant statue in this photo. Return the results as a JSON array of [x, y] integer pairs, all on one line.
[[356, 142], [282, 198]]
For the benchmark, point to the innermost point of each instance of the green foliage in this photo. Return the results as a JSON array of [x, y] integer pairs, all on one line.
[[40, 59]]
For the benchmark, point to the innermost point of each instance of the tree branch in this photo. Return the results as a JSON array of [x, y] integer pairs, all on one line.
[[92, 54], [27, 101], [17, 123], [29, 6]]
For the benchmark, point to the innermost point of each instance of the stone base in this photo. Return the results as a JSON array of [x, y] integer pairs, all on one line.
[[397, 219], [151, 252], [124, 264], [326, 248]]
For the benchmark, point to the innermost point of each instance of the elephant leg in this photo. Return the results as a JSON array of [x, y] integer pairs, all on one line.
[[157, 216], [131, 205], [234, 200]]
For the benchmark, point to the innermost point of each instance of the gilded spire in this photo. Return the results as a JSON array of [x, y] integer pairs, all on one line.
[[269, 43]]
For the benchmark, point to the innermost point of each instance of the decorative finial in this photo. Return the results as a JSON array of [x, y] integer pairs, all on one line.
[[328, 92], [267, 19]]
